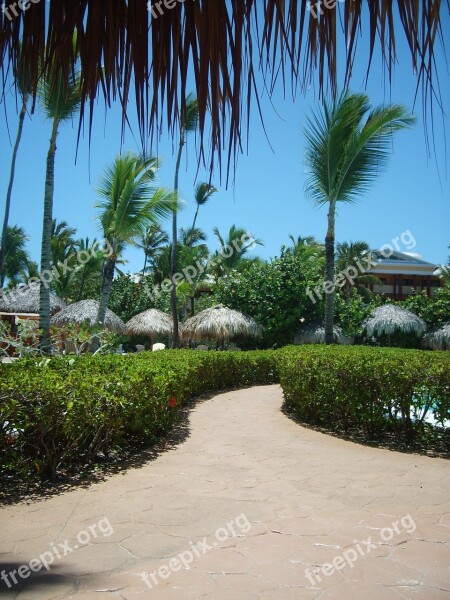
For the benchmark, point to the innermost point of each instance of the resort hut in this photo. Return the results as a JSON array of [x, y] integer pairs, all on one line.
[[314, 333], [22, 303], [220, 323], [150, 323], [390, 319], [438, 339], [25, 300], [85, 313]]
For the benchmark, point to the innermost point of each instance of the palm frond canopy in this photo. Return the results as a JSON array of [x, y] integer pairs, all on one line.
[[85, 313], [220, 323], [389, 319], [151, 322], [25, 299], [123, 47], [314, 333], [438, 339], [348, 143], [129, 200]]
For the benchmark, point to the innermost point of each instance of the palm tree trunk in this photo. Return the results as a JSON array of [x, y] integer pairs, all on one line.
[[108, 277], [44, 299], [329, 276], [173, 254], [81, 288], [145, 265], [195, 217], [23, 112]]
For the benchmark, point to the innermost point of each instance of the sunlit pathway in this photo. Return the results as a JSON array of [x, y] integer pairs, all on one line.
[[251, 506]]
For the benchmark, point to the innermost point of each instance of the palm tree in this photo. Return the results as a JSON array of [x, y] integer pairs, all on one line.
[[230, 261], [354, 255], [22, 79], [129, 204], [62, 252], [203, 193], [29, 272], [347, 144], [308, 249], [191, 237], [189, 122], [152, 243], [60, 101], [16, 258], [87, 271]]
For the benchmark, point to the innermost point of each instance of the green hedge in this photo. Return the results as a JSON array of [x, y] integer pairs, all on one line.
[[61, 416], [65, 413], [343, 388]]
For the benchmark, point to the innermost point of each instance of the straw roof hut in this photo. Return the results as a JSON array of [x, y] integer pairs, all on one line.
[[314, 333], [85, 313], [151, 323], [438, 339], [148, 44], [25, 300], [390, 319], [220, 323]]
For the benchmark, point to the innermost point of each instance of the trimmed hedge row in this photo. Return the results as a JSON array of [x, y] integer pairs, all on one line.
[[62, 415], [375, 389], [67, 412]]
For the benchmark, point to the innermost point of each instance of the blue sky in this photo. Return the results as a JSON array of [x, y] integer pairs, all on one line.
[[267, 196]]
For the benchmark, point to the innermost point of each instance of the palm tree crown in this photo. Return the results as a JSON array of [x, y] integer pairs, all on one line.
[[348, 144]]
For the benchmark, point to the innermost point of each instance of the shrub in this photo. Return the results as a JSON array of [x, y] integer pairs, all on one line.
[[374, 389], [60, 413]]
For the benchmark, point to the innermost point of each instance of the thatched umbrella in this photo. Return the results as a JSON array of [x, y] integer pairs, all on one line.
[[314, 333], [390, 319], [150, 323], [220, 323], [85, 313], [438, 339], [25, 300]]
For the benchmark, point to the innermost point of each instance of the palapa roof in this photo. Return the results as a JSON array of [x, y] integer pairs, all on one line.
[[25, 300], [150, 322], [389, 319], [123, 47], [85, 313], [314, 333], [220, 323], [439, 338]]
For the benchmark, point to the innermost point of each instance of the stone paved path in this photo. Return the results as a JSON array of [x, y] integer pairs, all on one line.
[[239, 511]]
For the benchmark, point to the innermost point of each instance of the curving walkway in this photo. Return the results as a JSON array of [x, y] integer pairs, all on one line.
[[250, 507]]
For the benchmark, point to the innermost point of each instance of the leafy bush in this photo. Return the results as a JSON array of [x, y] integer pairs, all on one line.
[[63, 412], [435, 310], [375, 389], [275, 294]]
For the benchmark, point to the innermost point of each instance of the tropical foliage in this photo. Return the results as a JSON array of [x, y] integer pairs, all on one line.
[[347, 145], [60, 97], [129, 203]]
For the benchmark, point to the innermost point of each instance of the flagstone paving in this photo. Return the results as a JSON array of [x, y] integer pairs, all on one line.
[[250, 506]]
